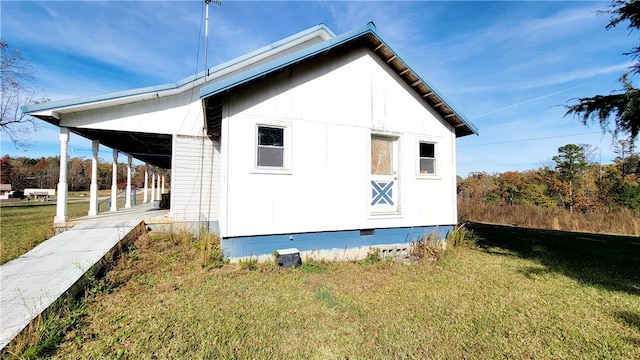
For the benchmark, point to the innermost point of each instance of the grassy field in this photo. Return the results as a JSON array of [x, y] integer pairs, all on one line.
[[621, 221], [24, 225], [518, 294]]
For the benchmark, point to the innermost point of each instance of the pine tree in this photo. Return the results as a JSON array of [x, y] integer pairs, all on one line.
[[571, 163], [622, 105]]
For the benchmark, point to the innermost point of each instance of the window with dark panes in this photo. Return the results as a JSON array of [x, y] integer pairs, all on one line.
[[427, 158], [270, 147]]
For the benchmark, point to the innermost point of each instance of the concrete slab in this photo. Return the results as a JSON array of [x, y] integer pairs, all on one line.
[[32, 282]]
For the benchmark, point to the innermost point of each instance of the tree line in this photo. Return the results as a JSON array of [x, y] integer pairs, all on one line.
[[574, 180], [44, 173]]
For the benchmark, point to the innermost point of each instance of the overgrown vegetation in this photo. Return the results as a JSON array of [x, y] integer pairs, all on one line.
[[47, 332], [432, 248], [373, 257], [518, 288], [248, 264], [576, 181], [609, 221], [428, 248], [575, 194]]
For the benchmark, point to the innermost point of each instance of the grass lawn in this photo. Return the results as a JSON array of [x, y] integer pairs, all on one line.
[[23, 226], [518, 294]]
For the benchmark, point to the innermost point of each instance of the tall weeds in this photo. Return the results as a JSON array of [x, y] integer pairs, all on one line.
[[621, 221], [210, 250], [433, 248]]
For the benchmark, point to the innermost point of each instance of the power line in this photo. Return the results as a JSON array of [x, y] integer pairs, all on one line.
[[532, 139]]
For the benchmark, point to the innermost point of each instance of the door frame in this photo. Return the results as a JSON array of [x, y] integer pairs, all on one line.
[[384, 189]]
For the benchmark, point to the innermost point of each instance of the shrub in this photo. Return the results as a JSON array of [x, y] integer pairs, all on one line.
[[248, 264], [460, 236], [429, 247], [373, 256], [313, 267]]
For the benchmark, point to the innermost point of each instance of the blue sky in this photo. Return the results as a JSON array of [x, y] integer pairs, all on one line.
[[508, 66]]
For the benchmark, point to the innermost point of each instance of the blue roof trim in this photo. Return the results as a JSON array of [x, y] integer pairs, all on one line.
[[170, 86], [89, 99], [262, 70]]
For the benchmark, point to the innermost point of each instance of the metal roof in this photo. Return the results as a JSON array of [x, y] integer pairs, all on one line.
[[369, 35], [156, 148], [189, 82]]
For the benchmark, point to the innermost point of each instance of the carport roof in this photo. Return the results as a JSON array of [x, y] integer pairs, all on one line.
[[154, 148]]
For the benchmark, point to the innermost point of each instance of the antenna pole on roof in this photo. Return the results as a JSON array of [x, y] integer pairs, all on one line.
[[206, 35]]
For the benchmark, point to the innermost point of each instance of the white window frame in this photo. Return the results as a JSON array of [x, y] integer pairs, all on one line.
[[436, 165], [287, 148]]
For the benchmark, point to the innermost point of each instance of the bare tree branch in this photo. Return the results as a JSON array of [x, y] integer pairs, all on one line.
[[16, 79]]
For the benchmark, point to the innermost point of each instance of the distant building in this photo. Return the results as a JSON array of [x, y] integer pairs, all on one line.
[[5, 189], [40, 194]]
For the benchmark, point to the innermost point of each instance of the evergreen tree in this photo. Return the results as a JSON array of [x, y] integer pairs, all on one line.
[[623, 105], [570, 164]]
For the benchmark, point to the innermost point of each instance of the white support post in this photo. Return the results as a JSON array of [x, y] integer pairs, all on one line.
[[127, 201], [61, 205], [93, 189], [146, 183], [162, 183], [114, 182], [153, 187], [158, 187]]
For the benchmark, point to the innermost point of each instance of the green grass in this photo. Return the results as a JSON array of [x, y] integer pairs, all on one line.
[[519, 294], [611, 262], [22, 227]]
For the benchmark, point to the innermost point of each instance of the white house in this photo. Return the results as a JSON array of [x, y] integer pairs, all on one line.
[[318, 141]]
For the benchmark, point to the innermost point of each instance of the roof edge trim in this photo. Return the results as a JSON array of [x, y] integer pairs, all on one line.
[[192, 79], [251, 74], [435, 90]]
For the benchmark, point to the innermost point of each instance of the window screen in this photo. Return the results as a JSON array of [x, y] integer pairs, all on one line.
[[427, 158], [270, 147]]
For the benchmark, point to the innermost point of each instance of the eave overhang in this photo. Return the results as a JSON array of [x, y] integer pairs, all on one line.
[[51, 111]]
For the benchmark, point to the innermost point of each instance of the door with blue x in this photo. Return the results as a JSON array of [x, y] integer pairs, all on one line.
[[384, 175]]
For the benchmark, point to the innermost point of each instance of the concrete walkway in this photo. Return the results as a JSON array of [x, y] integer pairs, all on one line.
[[32, 282]]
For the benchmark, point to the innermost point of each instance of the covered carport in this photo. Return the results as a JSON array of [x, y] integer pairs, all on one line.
[[153, 149]]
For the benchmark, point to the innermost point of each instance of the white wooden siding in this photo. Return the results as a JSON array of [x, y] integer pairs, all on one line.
[[187, 171], [175, 114], [334, 106]]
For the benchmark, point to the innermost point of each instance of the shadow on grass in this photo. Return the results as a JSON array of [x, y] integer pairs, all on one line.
[[632, 320], [597, 260], [629, 318]]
